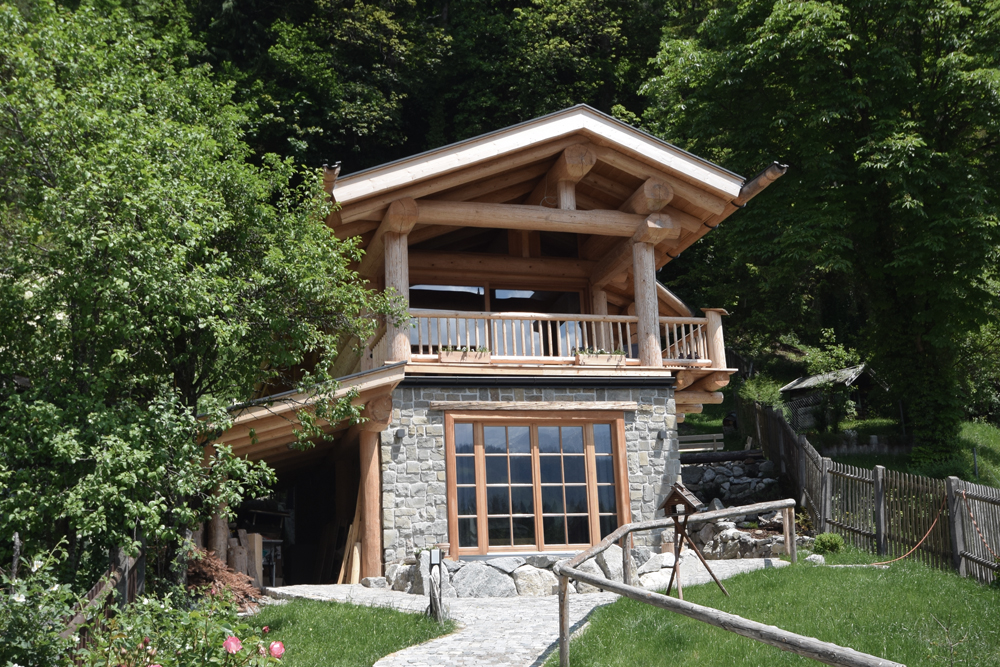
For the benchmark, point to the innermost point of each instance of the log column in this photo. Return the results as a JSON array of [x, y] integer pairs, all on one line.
[[376, 413], [646, 307], [599, 306], [397, 276], [714, 337]]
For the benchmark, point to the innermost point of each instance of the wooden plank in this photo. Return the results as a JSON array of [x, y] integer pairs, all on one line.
[[519, 406], [540, 218]]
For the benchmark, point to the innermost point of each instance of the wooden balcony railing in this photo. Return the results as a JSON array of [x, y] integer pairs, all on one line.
[[553, 338]]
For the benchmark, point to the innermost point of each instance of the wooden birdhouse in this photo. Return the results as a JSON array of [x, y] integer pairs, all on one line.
[[680, 502]]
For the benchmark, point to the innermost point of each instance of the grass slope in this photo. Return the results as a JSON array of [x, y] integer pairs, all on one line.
[[333, 634], [983, 437], [890, 613]]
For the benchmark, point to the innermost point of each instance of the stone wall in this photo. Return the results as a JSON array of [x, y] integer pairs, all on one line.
[[414, 502], [734, 482]]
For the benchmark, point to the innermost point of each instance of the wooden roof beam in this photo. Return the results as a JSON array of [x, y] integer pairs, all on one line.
[[399, 219], [557, 189], [650, 197], [653, 229], [531, 218]]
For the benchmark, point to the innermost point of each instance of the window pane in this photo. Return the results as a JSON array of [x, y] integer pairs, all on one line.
[[576, 499], [554, 529], [551, 469], [467, 534], [499, 532], [495, 438], [520, 470], [552, 499], [496, 469], [605, 470], [463, 438], [524, 529], [602, 438], [465, 469], [522, 500], [548, 439], [497, 500], [608, 524], [578, 529], [606, 499], [572, 439], [575, 470], [520, 439], [466, 500]]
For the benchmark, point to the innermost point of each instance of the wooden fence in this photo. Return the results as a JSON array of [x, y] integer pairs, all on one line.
[[881, 510]]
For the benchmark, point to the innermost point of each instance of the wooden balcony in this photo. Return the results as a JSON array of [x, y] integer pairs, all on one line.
[[442, 336]]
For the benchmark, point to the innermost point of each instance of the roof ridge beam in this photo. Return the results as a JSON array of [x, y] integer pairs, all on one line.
[[559, 184]]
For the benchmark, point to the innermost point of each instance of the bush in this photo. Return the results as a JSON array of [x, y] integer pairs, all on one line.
[[828, 543], [762, 389]]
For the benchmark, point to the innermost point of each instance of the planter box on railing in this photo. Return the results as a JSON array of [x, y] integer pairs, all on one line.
[[600, 360], [459, 357]]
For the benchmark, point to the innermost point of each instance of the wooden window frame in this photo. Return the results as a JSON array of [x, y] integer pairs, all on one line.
[[479, 418]]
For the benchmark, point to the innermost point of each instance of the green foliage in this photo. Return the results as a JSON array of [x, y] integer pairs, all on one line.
[[150, 272], [331, 633], [828, 543], [762, 389], [175, 633], [799, 599], [885, 228], [979, 360], [33, 609]]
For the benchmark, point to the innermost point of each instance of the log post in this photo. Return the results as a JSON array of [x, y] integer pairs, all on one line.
[[646, 306], [826, 496], [715, 339], [881, 538], [563, 621], [397, 276], [956, 524], [599, 303], [377, 412]]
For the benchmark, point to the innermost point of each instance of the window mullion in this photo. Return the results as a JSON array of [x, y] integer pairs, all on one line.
[[536, 490], [593, 510], [481, 522]]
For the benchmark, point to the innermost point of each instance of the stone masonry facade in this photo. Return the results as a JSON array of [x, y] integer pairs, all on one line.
[[414, 483]]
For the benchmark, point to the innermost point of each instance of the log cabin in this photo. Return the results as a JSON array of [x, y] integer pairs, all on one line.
[[530, 402]]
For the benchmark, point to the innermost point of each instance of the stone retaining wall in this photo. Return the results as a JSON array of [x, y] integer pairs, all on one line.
[[732, 482], [414, 501]]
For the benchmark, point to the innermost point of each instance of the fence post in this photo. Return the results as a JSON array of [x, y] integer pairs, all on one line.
[[956, 524], [801, 441], [826, 495], [881, 538], [781, 442], [563, 621]]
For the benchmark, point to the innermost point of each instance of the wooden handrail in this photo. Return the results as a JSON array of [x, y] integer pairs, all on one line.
[[576, 317]]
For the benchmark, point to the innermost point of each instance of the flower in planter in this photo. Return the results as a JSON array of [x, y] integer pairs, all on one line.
[[232, 644], [277, 649]]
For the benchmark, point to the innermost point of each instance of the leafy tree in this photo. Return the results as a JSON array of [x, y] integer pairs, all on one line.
[[148, 273], [885, 227]]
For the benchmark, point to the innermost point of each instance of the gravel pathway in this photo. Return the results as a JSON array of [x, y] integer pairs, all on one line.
[[511, 632]]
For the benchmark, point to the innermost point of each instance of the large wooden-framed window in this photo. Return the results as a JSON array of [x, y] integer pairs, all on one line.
[[551, 481]]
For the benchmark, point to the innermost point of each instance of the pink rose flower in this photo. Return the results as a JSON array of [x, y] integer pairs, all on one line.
[[232, 644], [154, 666], [277, 649], [265, 629]]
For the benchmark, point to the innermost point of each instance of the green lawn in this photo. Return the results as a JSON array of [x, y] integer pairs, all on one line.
[[983, 437], [328, 634], [892, 613]]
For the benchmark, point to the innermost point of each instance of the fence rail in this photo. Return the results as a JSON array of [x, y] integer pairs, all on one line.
[[683, 340], [885, 511]]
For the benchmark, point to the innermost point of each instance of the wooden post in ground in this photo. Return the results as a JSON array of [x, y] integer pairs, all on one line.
[[956, 524], [881, 537], [826, 497], [563, 621], [801, 443], [646, 306], [626, 560], [791, 548]]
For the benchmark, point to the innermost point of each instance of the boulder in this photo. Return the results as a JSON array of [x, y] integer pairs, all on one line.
[[655, 563], [534, 581], [454, 565], [506, 564], [375, 582], [691, 474], [816, 559], [542, 561], [656, 581], [706, 534], [716, 504], [477, 580], [766, 467], [390, 573], [610, 562], [590, 567], [641, 554], [422, 574], [403, 580], [708, 476]]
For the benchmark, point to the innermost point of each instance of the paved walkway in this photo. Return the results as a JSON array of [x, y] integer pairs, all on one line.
[[509, 632]]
